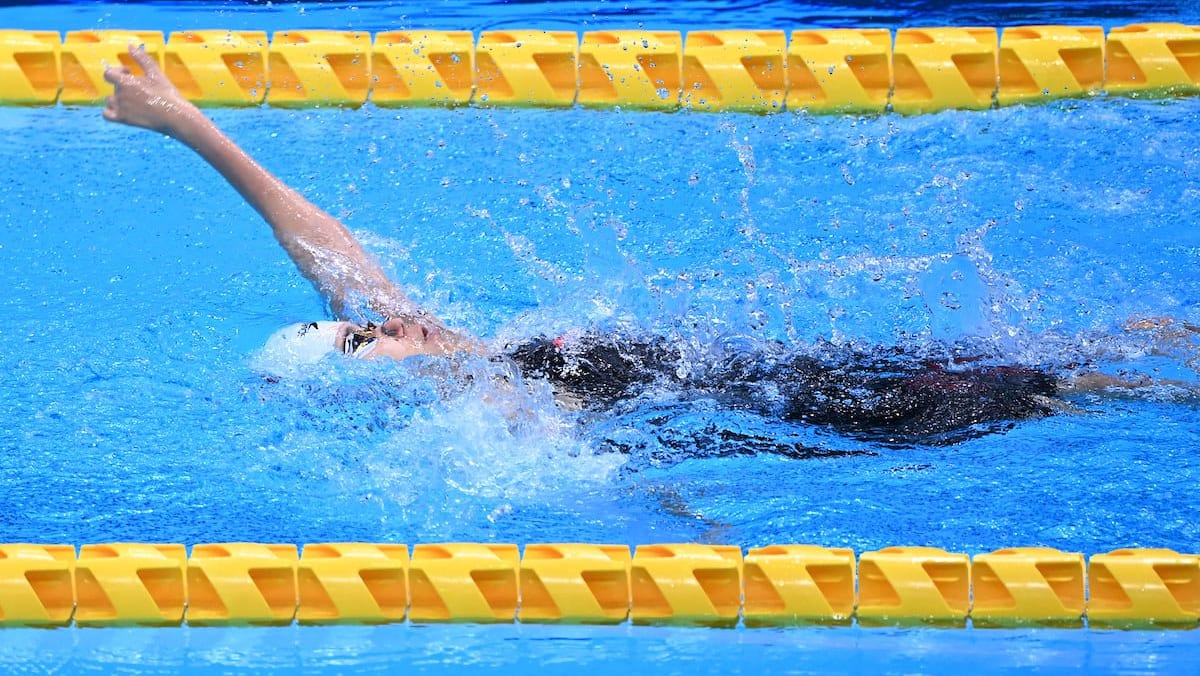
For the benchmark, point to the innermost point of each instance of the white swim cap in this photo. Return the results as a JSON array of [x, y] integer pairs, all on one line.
[[295, 346]]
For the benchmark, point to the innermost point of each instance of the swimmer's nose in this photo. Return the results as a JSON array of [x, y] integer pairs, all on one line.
[[408, 328], [393, 328]]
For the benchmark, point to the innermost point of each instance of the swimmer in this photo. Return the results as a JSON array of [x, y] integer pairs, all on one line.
[[878, 396]]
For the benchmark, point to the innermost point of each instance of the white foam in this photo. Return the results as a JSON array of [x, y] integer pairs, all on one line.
[[483, 439]]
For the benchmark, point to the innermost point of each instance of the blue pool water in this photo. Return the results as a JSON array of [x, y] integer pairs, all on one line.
[[139, 289]]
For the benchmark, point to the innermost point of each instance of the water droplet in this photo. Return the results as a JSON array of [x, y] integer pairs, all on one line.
[[455, 58], [831, 69], [664, 94]]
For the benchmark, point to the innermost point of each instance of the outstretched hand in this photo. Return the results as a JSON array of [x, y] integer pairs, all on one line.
[[150, 101]]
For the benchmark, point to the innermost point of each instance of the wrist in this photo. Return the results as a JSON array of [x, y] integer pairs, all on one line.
[[186, 123]]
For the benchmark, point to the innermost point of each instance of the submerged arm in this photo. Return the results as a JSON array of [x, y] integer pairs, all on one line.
[[319, 244]]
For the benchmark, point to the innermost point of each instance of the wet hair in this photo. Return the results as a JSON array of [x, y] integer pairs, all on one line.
[[883, 396]]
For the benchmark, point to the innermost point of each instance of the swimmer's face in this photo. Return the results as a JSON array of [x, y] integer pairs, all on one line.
[[402, 337]]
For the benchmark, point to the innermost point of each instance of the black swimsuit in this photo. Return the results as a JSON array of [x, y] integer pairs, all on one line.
[[887, 397]]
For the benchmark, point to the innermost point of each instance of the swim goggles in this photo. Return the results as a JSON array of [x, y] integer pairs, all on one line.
[[361, 339]]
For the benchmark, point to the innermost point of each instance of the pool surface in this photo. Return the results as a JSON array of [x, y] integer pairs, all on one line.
[[140, 289]]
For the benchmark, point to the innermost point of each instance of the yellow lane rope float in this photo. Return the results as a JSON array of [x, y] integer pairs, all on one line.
[[691, 584], [909, 70]]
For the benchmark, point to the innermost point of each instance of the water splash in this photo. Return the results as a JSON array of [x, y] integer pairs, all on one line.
[[430, 440]]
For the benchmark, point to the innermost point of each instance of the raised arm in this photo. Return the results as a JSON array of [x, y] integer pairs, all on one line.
[[320, 245]]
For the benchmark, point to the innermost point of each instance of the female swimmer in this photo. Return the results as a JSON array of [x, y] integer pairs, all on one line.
[[878, 395]]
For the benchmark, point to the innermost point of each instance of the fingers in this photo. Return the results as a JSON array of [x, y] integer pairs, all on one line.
[[117, 75], [143, 59], [111, 111]]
